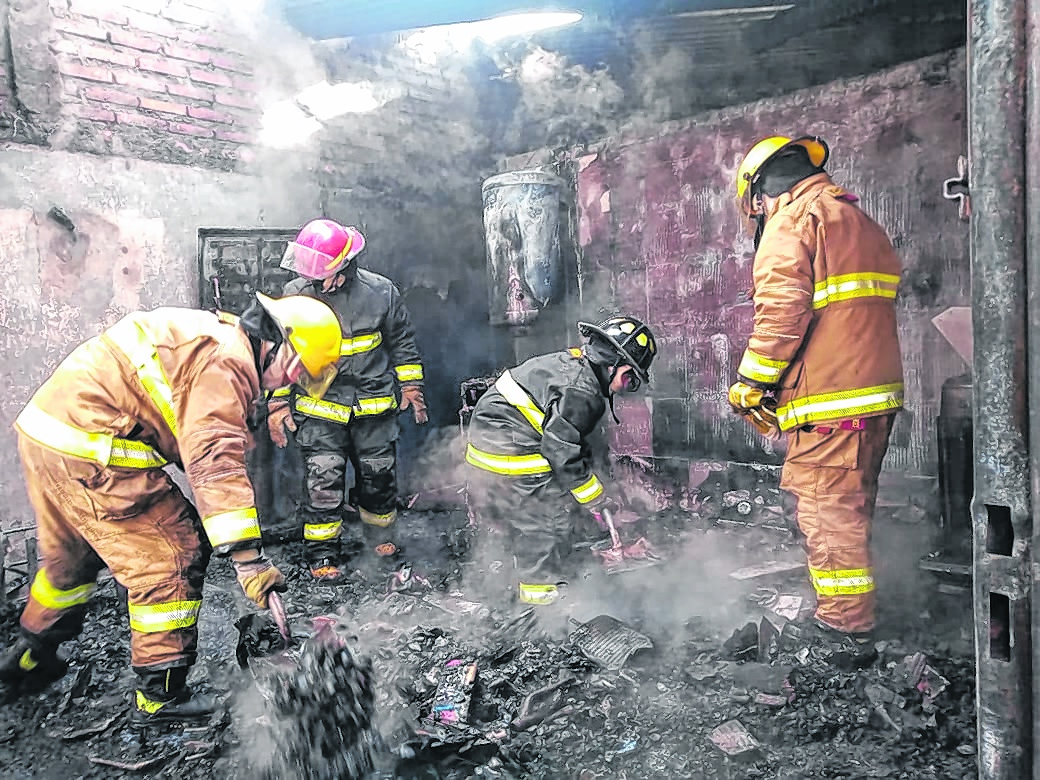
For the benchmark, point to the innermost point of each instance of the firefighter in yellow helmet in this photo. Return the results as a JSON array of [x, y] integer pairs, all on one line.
[[173, 386], [823, 362]]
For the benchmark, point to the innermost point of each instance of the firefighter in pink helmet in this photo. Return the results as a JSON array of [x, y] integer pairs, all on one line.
[[355, 424]]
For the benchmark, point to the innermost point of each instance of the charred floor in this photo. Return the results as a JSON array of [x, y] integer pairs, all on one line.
[[679, 669]]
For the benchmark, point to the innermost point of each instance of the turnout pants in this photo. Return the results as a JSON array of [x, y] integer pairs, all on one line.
[[834, 476], [536, 526], [137, 523], [369, 445]]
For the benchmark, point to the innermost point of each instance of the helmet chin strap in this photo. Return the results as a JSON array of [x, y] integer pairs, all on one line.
[[610, 394], [760, 225]]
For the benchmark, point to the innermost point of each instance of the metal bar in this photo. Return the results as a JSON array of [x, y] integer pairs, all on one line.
[[1003, 532], [1032, 234]]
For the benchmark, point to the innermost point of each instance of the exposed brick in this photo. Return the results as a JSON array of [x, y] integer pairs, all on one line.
[[140, 120], [189, 91], [245, 85], [108, 95], [198, 112], [155, 25], [166, 108], [133, 40], [235, 100], [158, 64], [80, 27], [210, 77], [87, 72], [93, 51], [145, 6], [129, 78], [189, 53], [92, 112], [231, 135], [98, 9], [195, 130], [186, 14], [210, 41], [235, 64]]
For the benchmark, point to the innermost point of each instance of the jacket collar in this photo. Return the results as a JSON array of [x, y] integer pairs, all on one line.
[[814, 182]]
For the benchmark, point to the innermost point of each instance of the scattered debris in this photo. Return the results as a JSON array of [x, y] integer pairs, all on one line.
[[139, 766], [608, 642], [454, 691], [767, 569], [733, 739], [90, 731]]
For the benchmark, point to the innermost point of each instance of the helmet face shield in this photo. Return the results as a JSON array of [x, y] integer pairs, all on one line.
[[310, 263], [316, 387]]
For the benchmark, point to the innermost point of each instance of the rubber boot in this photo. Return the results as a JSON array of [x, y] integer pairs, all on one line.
[[380, 534], [31, 664], [163, 696]]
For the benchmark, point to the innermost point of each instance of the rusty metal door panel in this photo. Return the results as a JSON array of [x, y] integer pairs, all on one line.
[[236, 262]]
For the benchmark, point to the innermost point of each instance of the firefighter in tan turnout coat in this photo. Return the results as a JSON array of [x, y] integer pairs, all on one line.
[[167, 386], [823, 362]]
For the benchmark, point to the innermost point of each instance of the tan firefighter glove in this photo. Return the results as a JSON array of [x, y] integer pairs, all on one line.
[[757, 406], [279, 422], [412, 396], [258, 577]]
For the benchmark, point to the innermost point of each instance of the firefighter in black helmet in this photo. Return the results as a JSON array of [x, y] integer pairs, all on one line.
[[529, 445]]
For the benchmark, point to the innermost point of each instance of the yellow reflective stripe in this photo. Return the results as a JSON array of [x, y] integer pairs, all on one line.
[[589, 490], [27, 662], [282, 392], [321, 532], [538, 594], [238, 525], [847, 286], [359, 344], [761, 369], [412, 372], [845, 403], [149, 705], [134, 455], [155, 618], [323, 410], [99, 447], [842, 582], [380, 521], [141, 352], [516, 396], [44, 593], [51, 432], [378, 405], [511, 465]]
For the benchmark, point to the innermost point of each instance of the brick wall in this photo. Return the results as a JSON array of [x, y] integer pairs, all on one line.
[[152, 79], [662, 239]]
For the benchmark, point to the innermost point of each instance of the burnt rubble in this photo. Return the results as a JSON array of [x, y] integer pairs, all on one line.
[[403, 673]]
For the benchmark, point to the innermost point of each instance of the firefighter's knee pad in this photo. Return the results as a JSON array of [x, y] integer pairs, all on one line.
[[325, 480]]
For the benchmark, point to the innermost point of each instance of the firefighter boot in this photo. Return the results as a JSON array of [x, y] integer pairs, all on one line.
[[380, 534], [326, 571], [31, 664], [163, 696]]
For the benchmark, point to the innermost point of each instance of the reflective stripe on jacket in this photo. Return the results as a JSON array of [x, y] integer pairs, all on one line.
[[825, 331], [533, 425], [166, 386], [379, 352]]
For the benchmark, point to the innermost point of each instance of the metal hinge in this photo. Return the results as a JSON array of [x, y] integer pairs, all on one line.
[[957, 189]]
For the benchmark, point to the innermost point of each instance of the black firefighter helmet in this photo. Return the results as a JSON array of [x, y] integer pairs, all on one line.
[[629, 337]]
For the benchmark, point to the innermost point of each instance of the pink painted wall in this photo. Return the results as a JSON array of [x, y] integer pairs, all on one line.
[[661, 238]]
